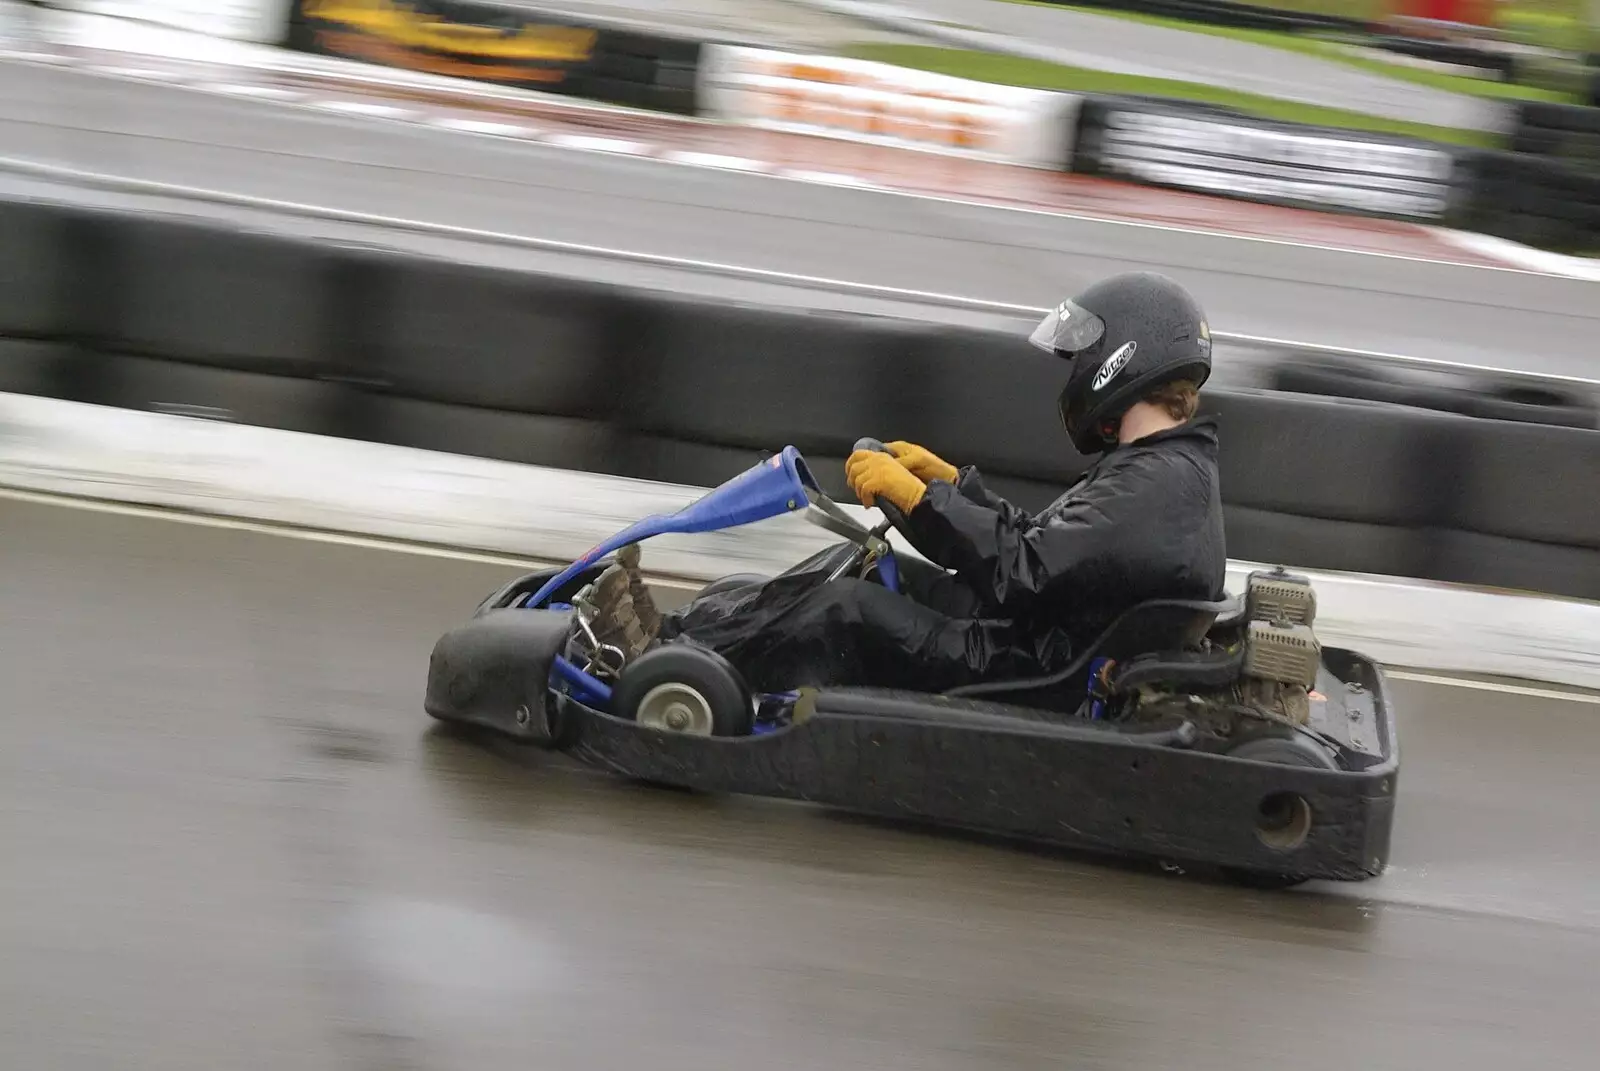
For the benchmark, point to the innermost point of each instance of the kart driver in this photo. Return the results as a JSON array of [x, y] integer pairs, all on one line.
[[1019, 595]]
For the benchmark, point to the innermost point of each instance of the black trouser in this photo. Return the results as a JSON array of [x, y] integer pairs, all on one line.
[[797, 630]]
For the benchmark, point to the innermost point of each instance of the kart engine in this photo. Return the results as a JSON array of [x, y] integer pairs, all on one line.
[[1281, 653]]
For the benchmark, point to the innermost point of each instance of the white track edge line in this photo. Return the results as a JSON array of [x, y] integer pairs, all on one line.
[[304, 535], [1417, 677], [1543, 261], [345, 539]]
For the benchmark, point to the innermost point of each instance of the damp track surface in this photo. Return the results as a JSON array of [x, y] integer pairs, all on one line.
[[231, 838]]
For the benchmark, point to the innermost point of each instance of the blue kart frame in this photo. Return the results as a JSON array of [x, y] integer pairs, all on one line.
[[781, 484], [1173, 736]]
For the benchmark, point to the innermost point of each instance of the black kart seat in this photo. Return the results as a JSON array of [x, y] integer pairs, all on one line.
[[1160, 625]]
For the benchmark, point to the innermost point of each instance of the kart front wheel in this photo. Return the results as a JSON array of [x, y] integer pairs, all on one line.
[[680, 688]]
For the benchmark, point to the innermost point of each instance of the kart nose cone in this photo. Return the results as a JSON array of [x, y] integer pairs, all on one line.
[[494, 672]]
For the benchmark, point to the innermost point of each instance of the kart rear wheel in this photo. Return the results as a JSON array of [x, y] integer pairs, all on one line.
[[680, 688], [1284, 819], [1287, 750]]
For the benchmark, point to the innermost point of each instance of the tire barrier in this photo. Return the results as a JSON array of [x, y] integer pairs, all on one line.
[[1507, 526], [1568, 132], [490, 362], [37, 334], [215, 321], [704, 382], [1471, 394], [1538, 200], [1352, 485], [505, 44], [55, 292], [1498, 64], [219, 321]]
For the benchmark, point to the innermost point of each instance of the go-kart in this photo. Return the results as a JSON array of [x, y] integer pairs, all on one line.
[[1217, 733]]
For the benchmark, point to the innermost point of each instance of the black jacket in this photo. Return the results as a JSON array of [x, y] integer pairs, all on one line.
[[1145, 522], [1030, 593]]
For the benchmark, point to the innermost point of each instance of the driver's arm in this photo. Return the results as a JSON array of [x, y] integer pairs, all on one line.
[[930, 468], [970, 483], [1009, 559]]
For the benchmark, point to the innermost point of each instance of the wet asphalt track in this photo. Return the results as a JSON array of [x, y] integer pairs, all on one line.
[[230, 838]]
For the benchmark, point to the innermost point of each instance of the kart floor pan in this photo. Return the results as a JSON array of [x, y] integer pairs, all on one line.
[[1081, 785]]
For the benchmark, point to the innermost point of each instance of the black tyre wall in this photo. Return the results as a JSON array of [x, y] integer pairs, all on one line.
[[215, 321]]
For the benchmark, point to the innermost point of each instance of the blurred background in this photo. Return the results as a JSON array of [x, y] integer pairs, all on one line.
[[320, 320]]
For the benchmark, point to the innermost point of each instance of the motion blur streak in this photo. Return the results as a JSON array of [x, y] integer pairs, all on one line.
[[233, 840], [1445, 311]]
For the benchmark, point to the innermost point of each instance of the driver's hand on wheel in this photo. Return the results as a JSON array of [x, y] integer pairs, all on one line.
[[873, 475], [922, 463]]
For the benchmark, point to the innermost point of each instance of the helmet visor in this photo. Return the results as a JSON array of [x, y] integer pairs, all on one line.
[[1068, 328]]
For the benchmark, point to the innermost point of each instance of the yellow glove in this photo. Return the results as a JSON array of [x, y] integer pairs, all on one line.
[[873, 474], [923, 463]]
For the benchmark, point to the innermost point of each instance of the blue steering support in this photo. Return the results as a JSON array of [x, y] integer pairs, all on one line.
[[776, 486], [780, 484]]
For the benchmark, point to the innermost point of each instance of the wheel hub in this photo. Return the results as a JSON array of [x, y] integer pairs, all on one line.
[[677, 708]]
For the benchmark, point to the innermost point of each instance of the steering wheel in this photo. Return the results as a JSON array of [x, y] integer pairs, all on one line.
[[895, 518], [874, 543]]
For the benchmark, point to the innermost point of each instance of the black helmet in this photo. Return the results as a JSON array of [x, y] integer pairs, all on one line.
[[1125, 336]]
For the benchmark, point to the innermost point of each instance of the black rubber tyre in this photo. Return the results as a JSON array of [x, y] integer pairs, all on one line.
[[1496, 401], [686, 689], [1285, 750], [731, 583]]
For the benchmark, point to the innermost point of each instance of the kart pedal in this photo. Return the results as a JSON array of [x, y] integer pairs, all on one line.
[[644, 603], [1280, 597], [616, 619]]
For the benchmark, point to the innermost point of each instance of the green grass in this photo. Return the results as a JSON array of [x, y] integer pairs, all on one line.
[[1013, 70], [1550, 29], [1326, 49]]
